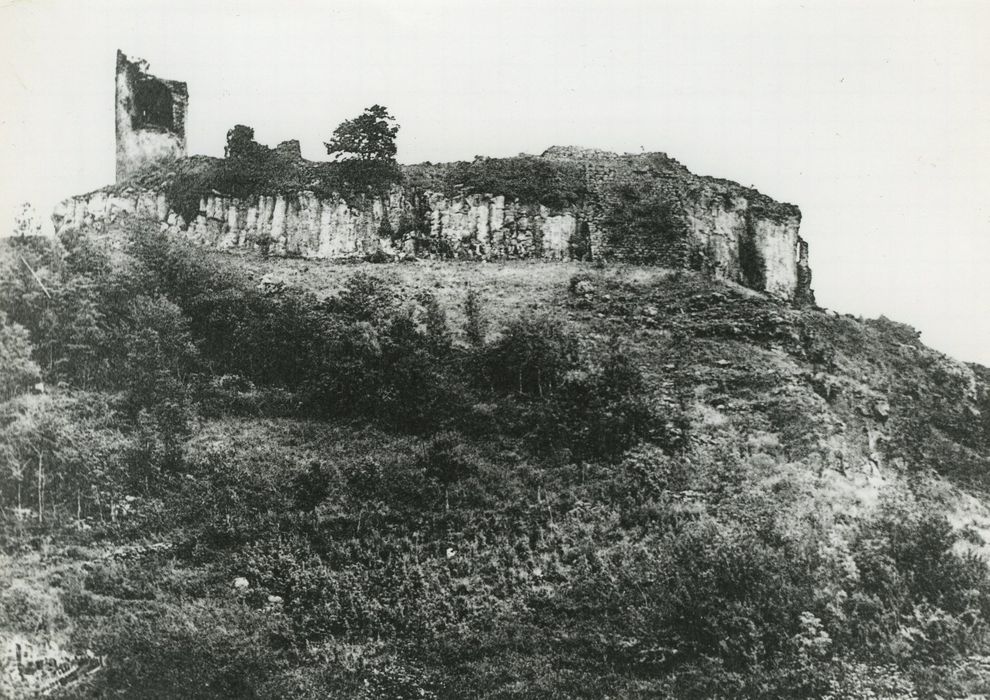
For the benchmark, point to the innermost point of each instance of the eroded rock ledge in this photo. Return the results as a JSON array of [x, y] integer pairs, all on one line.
[[718, 226]]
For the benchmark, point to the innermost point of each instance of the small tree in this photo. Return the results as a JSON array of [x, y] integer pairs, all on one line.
[[240, 142], [17, 370], [475, 323], [385, 229], [369, 136], [26, 221], [247, 167], [435, 324], [531, 357]]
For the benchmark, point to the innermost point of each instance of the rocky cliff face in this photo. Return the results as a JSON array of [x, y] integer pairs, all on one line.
[[729, 231], [732, 232], [471, 226]]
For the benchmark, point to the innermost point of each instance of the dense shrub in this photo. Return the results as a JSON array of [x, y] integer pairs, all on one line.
[[412, 389], [380, 360], [599, 412], [529, 179], [271, 338], [160, 360], [357, 178], [365, 298], [914, 582], [531, 357], [445, 461], [475, 323], [18, 371]]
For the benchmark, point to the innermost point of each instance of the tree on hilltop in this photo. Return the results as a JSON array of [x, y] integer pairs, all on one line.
[[369, 136], [241, 145], [26, 221]]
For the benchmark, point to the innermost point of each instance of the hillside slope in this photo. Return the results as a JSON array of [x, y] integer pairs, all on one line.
[[294, 478], [864, 393]]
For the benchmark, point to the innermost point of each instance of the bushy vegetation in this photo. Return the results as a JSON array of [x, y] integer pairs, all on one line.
[[251, 169], [529, 179], [244, 491], [531, 357], [600, 412], [364, 165], [168, 338]]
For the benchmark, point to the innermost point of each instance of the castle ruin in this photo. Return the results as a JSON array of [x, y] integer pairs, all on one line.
[[150, 116], [690, 221]]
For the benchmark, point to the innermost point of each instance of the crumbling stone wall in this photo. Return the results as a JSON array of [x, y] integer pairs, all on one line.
[[150, 116]]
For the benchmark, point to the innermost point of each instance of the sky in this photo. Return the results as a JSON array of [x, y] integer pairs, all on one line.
[[873, 116]]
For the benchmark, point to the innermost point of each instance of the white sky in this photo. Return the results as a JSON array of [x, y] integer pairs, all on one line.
[[872, 116]]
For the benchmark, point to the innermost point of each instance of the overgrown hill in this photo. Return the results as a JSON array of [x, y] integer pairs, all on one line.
[[849, 380], [291, 478]]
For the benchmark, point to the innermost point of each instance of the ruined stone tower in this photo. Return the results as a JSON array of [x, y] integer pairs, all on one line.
[[151, 116]]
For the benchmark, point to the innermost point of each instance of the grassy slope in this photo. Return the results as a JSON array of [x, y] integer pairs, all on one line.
[[807, 411], [507, 289], [836, 390]]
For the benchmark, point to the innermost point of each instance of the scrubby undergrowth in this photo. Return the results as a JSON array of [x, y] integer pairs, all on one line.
[[479, 481]]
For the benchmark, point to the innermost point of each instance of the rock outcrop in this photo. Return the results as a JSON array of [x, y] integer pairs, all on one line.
[[732, 232], [471, 226], [727, 230]]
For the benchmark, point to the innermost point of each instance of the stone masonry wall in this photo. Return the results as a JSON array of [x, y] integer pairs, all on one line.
[[150, 117]]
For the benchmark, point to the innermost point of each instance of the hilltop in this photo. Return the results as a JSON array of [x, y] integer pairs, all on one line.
[[565, 204], [286, 477]]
